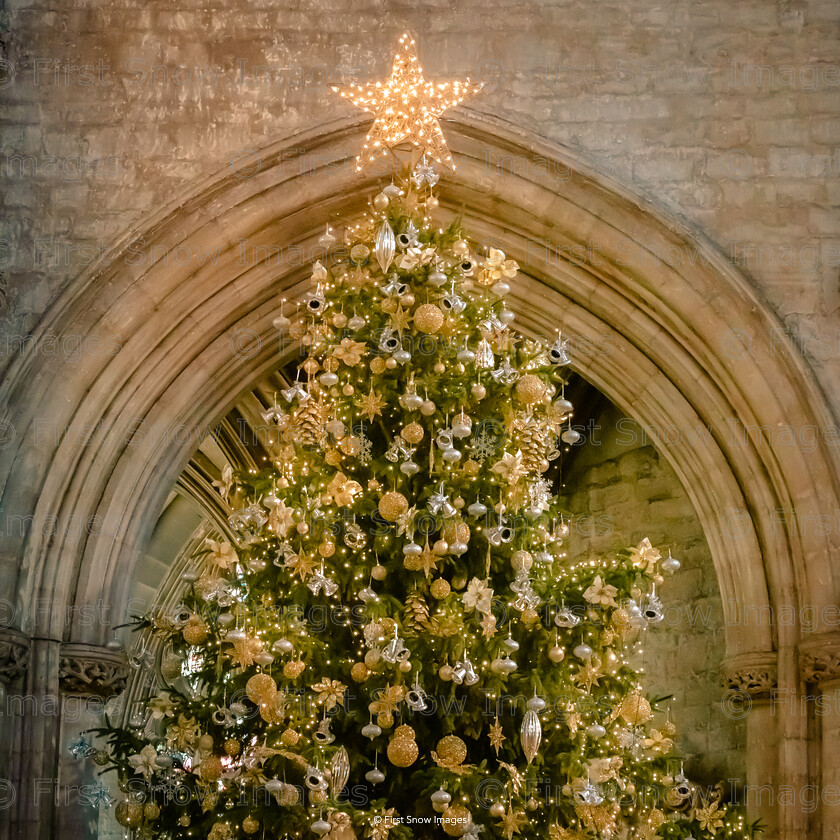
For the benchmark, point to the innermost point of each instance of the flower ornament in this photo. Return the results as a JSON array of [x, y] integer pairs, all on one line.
[[342, 490], [225, 485], [244, 651], [416, 256], [710, 818], [222, 554], [350, 352], [184, 733], [330, 692], [478, 596], [510, 467], [145, 762], [496, 266], [645, 556], [601, 593], [658, 742]]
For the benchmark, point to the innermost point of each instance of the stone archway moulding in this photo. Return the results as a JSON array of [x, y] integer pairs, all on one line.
[[102, 442]]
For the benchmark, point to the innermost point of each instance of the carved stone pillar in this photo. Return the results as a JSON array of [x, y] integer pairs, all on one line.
[[14, 661], [819, 658], [751, 682], [88, 675]]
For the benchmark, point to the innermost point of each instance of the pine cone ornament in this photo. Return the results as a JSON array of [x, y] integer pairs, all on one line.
[[415, 614], [308, 423]]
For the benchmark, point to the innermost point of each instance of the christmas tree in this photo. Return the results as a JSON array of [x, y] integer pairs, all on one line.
[[392, 643]]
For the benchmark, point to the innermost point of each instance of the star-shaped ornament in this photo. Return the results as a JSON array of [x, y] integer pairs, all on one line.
[[512, 823], [371, 405], [496, 736], [407, 107]]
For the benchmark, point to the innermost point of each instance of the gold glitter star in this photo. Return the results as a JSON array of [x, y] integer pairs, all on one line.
[[371, 405], [425, 562], [406, 108], [496, 736], [511, 823], [399, 320], [301, 565], [587, 676]]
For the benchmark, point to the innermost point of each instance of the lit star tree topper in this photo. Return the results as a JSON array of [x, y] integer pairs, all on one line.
[[406, 108]]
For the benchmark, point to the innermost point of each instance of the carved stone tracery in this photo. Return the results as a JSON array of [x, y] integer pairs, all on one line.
[[90, 669]]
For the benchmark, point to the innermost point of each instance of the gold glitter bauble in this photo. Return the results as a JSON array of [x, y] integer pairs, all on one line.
[[428, 318], [205, 743], [440, 588], [260, 686], [348, 390], [635, 709], [385, 719], [151, 811], [184, 821], [389, 305], [232, 747], [339, 320], [405, 731], [129, 814], [403, 751], [379, 572], [377, 365], [331, 364], [288, 796], [289, 737], [521, 560], [250, 825], [656, 818], [668, 729], [412, 433], [472, 467], [170, 668], [292, 670], [210, 768], [620, 617], [388, 626], [393, 505], [311, 366], [530, 389], [326, 549], [456, 820], [455, 530], [333, 457], [318, 797], [194, 632], [101, 758], [372, 658], [303, 528], [451, 749], [359, 672]]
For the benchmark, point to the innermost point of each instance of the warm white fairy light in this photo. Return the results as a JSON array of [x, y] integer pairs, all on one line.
[[407, 107]]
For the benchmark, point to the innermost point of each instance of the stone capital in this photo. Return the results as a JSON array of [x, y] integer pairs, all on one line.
[[92, 670], [819, 658], [14, 654], [755, 674]]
